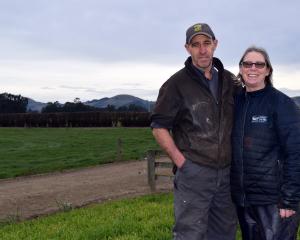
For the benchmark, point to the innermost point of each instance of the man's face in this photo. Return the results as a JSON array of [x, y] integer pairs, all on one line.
[[202, 49]]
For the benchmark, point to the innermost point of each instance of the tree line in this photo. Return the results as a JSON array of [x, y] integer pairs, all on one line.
[[71, 114], [76, 106], [10, 103], [77, 119]]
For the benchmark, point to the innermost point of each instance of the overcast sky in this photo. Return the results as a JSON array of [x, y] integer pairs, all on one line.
[[62, 49]]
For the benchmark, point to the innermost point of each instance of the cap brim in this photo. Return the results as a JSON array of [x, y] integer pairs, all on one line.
[[199, 33]]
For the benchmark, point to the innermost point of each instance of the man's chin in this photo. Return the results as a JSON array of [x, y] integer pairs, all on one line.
[[204, 65]]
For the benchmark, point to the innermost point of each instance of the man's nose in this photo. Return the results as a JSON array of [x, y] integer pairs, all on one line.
[[202, 49]]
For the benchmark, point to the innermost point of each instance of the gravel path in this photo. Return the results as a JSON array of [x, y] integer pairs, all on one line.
[[29, 197]]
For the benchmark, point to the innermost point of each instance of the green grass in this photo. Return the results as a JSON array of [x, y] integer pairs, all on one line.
[[26, 151], [143, 218], [147, 217]]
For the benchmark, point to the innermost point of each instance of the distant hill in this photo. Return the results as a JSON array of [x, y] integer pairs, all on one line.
[[34, 106], [120, 101], [297, 100], [290, 92], [117, 101]]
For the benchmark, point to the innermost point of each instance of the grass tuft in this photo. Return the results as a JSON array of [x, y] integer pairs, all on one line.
[[147, 217]]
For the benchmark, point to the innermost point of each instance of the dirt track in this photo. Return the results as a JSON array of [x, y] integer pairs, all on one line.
[[28, 197]]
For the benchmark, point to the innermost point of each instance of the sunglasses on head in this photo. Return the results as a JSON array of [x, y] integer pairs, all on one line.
[[259, 65]]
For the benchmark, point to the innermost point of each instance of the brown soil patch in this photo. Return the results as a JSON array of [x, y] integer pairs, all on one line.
[[29, 197]]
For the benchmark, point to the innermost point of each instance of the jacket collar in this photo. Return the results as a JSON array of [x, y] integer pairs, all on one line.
[[258, 92]]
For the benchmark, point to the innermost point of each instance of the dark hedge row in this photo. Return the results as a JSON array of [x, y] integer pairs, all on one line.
[[80, 119]]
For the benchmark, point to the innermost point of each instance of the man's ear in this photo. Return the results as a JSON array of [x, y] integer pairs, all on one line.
[[187, 48], [215, 44]]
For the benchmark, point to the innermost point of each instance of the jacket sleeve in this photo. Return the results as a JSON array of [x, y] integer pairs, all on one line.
[[288, 125], [166, 107]]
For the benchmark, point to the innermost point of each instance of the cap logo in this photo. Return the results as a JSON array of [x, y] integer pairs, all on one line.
[[197, 28]]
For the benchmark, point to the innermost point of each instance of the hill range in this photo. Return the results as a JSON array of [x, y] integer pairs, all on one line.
[[117, 101]]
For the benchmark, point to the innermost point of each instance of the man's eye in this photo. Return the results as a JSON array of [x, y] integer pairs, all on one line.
[[207, 43], [195, 44]]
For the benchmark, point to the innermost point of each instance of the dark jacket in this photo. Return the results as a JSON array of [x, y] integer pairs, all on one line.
[[266, 149], [201, 127]]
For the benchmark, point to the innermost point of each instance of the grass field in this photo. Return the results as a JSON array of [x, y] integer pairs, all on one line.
[[148, 217], [26, 151], [143, 218], [37, 150]]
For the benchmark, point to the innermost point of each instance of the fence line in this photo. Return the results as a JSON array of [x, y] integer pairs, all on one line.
[[78, 119], [159, 167]]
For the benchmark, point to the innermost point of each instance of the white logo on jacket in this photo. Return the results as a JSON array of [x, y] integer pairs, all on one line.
[[259, 119]]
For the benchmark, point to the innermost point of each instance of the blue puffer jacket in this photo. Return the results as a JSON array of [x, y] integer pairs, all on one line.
[[266, 149]]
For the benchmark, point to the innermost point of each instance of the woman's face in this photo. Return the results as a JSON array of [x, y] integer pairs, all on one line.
[[254, 71]]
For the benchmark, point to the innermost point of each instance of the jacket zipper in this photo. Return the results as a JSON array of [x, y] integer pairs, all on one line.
[[219, 129], [219, 106], [219, 103], [242, 146]]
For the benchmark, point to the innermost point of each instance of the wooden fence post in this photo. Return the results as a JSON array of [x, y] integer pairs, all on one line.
[[151, 169]]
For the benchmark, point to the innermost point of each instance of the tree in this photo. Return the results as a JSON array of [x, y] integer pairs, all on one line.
[[111, 108], [10, 103], [136, 108], [77, 100], [132, 108], [75, 106], [52, 107]]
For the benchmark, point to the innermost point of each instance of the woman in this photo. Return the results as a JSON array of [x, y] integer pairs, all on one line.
[[265, 172]]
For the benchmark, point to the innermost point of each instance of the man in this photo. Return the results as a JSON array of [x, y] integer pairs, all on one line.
[[192, 122]]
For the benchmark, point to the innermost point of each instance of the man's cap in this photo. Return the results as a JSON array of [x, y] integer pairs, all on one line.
[[197, 29]]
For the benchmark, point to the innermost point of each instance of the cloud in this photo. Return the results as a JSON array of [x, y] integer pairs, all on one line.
[[47, 88], [64, 80], [75, 88], [96, 46], [147, 94], [290, 92], [150, 31], [132, 84]]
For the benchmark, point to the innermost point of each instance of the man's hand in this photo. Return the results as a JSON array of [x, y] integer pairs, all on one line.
[[180, 163], [166, 142], [285, 213]]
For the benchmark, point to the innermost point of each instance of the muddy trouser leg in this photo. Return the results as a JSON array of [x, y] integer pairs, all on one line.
[[222, 220], [202, 210], [264, 223]]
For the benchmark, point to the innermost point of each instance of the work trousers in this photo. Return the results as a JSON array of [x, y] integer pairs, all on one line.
[[264, 223], [202, 204]]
